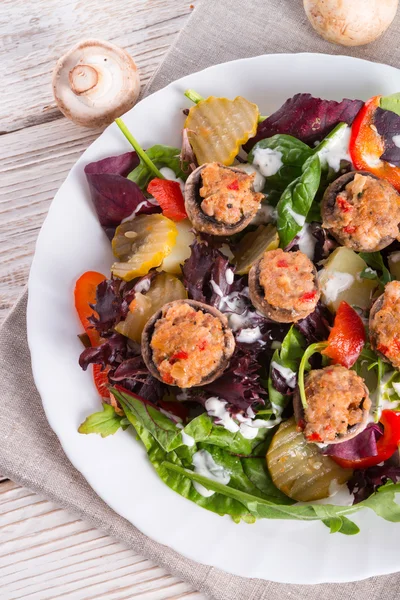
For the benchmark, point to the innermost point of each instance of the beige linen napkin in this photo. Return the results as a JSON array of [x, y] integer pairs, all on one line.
[[30, 453]]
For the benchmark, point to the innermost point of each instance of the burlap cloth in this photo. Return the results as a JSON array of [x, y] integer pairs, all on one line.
[[30, 454]]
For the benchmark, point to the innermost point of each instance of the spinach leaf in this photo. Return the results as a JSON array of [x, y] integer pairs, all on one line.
[[374, 260], [391, 102], [106, 422], [296, 201], [288, 356], [161, 156], [294, 152]]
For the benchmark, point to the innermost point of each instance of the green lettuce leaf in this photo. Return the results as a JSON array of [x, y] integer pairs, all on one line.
[[161, 156], [105, 423]]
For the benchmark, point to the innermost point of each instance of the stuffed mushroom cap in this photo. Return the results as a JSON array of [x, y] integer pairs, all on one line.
[[338, 405], [384, 324], [187, 344], [221, 200], [362, 211], [283, 286]]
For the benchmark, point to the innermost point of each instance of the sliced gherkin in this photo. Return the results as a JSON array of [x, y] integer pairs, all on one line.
[[164, 288], [142, 244], [253, 245], [217, 127], [298, 469]]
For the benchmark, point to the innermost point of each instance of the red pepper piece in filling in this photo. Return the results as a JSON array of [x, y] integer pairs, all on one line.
[[181, 355], [202, 345], [343, 204], [308, 296], [282, 263], [350, 229], [383, 349], [346, 338], [234, 185]]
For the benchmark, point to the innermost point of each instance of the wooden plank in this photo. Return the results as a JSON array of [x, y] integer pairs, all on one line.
[[47, 553], [33, 35]]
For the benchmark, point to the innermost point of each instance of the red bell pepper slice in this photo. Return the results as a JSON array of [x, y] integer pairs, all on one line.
[[386, 445], [85, 294], [367, 146], [347, 337], [169, 196]]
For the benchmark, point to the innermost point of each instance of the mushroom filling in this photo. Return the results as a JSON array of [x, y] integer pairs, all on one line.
[[366, 214], [336, 399], [288, 281], [385, 324], [187, 345], [228, 195]]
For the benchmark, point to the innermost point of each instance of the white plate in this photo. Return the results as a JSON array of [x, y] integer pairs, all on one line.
[[72, 241]]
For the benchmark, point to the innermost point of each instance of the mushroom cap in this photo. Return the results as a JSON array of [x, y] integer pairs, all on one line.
[[352, 431], [201, 221], [257, 297], [328, 204], [229, 340], [348, 22], [95, 82]]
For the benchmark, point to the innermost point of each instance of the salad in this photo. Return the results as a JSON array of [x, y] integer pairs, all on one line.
[[249, 331]]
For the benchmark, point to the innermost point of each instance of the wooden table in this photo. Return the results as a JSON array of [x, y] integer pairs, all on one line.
[[46, 552]]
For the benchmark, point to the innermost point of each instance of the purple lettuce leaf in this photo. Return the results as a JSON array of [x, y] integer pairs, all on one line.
[[110, 353], [113, 195], [388, 125], [361, 446], [306, 118], [133, 375], [365, 482], [112, 304], [316, 327]]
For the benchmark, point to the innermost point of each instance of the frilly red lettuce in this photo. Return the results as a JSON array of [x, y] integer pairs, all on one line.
[[113, 195], [361, 446], [307, 118], [367, 481]]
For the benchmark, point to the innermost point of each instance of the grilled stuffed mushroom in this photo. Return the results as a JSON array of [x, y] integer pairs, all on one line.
[[384, 324], [283, 286], [362, 212], [187, 343], [221, 200]]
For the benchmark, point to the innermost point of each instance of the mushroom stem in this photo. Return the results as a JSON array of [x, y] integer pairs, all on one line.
[[138, 149], [82, 79]]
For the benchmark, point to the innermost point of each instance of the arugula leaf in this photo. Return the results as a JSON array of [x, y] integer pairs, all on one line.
[[296, 201], [391, 102], [374, 260], [161, 156], [288, 356], [105, 423]]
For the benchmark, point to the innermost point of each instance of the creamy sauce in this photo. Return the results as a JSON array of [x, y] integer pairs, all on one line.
[[174, 418], [299, 219], [338, 495], [138, 208], [396, 140], [307, 241], [169, 174], [265, 214], [143, 286], [336, 283], [396, 387], [288, 375], [268, 161], [205, 465], [187, 439], [336, 150], [229, 276], [216, 408], [250, 335], [259, 181]]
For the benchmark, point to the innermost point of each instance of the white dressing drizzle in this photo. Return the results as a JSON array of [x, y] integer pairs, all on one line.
[[288, 375], [169, 174], [259, 180], [229, 276], [336, 150], [187, 439], [396, 140], [299, 219], [267, 160], [205, 465], [250, 335], [307, 241]]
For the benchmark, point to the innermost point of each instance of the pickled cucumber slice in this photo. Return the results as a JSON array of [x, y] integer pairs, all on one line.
[[142, 244], [181, 251], [298, 469], [217, 127], [164, 288], [253, 245]]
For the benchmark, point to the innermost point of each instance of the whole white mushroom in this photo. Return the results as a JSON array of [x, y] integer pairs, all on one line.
[[95, 82], [350, 22]]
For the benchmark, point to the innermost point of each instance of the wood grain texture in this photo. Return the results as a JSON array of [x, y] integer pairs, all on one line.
[[47, 553]]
